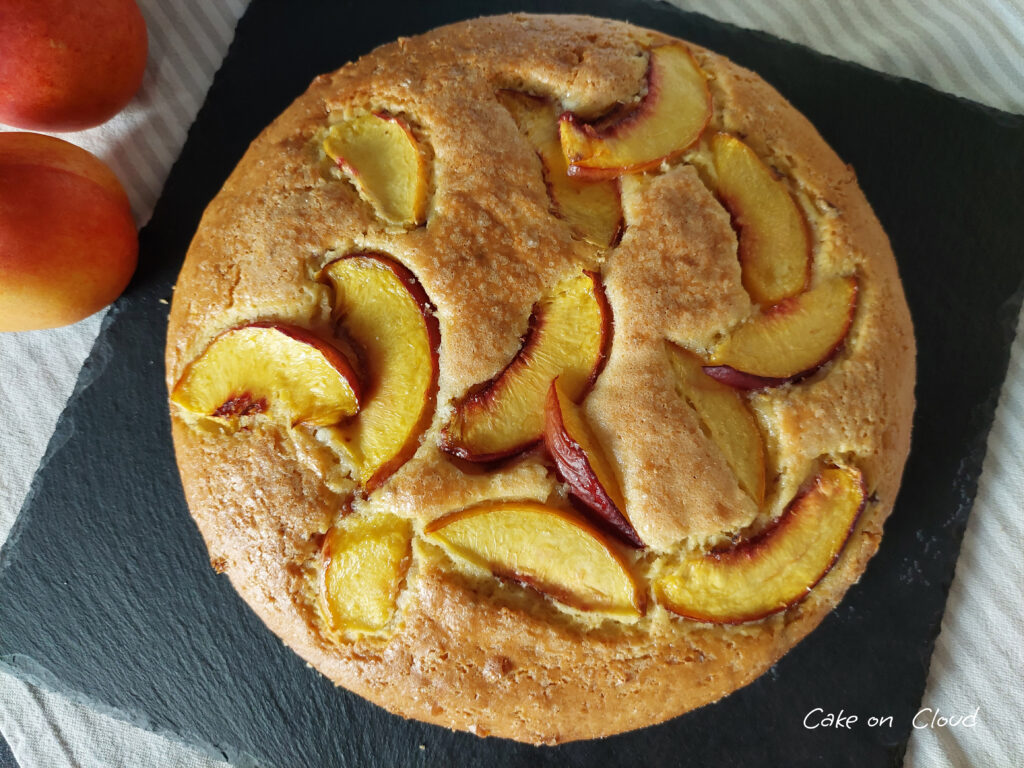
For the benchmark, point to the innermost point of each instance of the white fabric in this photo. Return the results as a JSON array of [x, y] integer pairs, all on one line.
[[973, 49]]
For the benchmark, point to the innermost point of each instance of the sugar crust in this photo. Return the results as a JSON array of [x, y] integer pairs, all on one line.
[[475, 654]]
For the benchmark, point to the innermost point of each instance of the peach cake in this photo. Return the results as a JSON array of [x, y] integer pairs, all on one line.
[[542, 377]]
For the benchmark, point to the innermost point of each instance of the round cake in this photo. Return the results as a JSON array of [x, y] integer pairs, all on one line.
[[542, 377]]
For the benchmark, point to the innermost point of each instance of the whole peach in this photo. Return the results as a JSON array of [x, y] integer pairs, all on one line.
[[69, 64], [68, 244]]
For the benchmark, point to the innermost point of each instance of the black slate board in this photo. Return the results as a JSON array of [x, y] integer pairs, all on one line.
[[105, 590], [6, 758]]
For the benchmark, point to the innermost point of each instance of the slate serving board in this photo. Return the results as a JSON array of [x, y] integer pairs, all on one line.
[[105, 589]]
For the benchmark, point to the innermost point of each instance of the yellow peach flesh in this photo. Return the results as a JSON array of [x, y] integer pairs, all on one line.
[[774, 245], [591, 209], [383, 159], [364, 565], [553, 550], [794, 336], [671, 118], [777, 569], [287, 374], [727, 419], [396, 334], [568, 341]]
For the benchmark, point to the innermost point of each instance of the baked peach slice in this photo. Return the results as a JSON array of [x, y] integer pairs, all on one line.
[[283, 371], [555, 551], [789, 340], [363, 566], [774, 241], [569, 332], [669, 120], [779, 567], [584, 465], [382, 308], [382, 157], [727, 418], [593, 210]]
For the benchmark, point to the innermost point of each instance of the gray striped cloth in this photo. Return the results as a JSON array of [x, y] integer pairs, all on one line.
[[972, 48]]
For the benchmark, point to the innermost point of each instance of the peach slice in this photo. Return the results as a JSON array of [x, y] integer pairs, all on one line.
[[667, 122], [789, 340], [364, 561], [593, 210], [583, 464], [779, 567], [381, 156], [570, 329], [283, 371], [774, 242], [383, 309], [726, 417], [554, 551]]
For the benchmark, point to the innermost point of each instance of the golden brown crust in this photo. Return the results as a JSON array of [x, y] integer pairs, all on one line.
[[486, 656]]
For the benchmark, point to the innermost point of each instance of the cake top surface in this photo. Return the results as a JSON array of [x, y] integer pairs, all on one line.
[[367, 333]]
